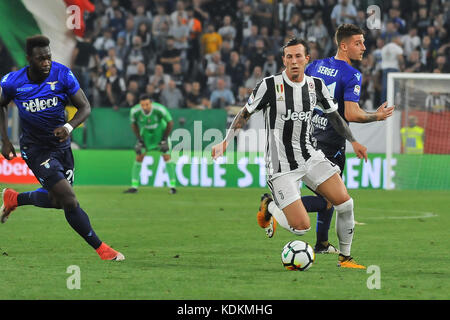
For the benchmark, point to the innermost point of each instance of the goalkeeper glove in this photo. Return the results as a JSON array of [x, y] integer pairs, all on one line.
[[139, 146], [163, 146]]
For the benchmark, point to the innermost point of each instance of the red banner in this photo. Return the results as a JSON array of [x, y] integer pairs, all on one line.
[[15, 171]]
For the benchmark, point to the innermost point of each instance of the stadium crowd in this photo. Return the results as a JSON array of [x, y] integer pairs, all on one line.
[[210, 54]]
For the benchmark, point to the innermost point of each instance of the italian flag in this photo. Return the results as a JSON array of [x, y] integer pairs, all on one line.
[[55, 19]]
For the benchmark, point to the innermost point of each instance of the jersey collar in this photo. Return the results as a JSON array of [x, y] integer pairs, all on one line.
[[291, 83]]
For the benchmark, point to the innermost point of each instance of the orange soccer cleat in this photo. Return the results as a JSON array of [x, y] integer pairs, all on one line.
[[107, 253], [9, 198]]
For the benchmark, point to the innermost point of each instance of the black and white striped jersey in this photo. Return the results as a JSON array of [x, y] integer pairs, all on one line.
[[288, 108]]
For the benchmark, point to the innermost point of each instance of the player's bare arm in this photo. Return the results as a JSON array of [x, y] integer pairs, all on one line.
[[163, 145], [8, 150], [239, 122], [343, 129], [83, 106], [354, 113], [168, 130]]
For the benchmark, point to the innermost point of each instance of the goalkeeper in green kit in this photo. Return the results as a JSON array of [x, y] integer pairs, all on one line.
[[151, 123]]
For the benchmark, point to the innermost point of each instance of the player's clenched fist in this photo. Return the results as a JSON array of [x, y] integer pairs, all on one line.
[[62, 133], [8, 150], [219, 149]]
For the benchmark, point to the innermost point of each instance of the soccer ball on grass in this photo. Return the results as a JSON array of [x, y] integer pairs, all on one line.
[[297, 255]]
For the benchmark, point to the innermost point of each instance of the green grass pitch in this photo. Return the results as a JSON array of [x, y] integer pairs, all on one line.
[[204, 244]]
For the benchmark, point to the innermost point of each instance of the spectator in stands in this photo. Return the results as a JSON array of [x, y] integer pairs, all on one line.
[[318, 31], [236, 70], [211, 41], [221, 97], [423, 21], [120, 48], [262, 11], [161, 21], [286, 9], [177, 75], [256, 77], [343, 12], [270, 66], [111, 59], [390, 32], [82, 55], [242, 96], [212, 67], [117, 23], [426, 53], [115, 87], [220, 75], [129, 32], [135, 55], [170, 55], [159, 79], [227, 31], [105, 42], [258, 56], [196, 99], [179, 12], [411, 41], [413, 63], [151, 92], [145, 34], [441, 64], [143, 16], [180, 32], [129, 102], [391, 61], [140, 76], [249, 42], [171, 96]]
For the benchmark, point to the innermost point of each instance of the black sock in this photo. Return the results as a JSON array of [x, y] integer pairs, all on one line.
[[38, 198], [324, 218], [79, 221]]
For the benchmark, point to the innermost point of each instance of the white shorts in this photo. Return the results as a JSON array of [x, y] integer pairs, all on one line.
[[286, 188]]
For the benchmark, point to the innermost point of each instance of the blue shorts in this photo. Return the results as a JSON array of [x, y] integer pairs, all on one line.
[[49, 165]]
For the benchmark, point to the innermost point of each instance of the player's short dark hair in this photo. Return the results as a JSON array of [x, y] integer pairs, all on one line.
[[345, 31], [144, 96], [294, 42], [36, 41]]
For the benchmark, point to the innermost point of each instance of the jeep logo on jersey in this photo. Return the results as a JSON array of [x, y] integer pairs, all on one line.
[[40, 104], [300, 116]]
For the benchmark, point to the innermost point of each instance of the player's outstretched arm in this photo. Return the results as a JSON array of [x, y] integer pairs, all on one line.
[[83, 106], [343, 129], [354, 113], [239, 122], [8, 150]]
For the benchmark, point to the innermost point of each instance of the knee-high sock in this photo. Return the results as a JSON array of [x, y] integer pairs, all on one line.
[[324, 218], [136, 174], [38, 198], [282, 221], [170, 167], [79, 221], [345, 225]]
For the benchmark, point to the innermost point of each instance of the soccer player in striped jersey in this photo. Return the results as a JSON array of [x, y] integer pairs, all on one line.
[[151, 123], [41, 92], [344, 84], [287, 101]]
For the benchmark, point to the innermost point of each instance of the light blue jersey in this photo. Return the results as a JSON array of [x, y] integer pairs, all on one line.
[[344, 83], [41, 105]]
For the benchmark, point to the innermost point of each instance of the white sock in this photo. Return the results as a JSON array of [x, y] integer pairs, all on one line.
[[345, 225], [281, 219]]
